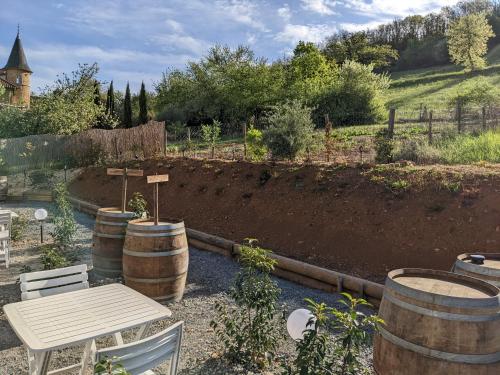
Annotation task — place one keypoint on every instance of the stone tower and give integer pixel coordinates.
(18, 73)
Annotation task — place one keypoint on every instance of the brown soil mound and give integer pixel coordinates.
(362, 221)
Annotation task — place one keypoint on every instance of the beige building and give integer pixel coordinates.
(15, 76)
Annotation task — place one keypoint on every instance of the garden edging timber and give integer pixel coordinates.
(286, 268)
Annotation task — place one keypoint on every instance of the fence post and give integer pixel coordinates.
(430, 127)
(165, 138)
(189, 134)
(484, 118)
(459, 116)
(392, 118)
(245, 140)
(328, 128)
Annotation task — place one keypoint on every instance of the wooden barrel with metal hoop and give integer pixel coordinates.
(4, 188)
(487, 270)
(109, 235)
(156, 258)
(438, 322)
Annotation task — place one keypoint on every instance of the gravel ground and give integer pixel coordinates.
(209, 278)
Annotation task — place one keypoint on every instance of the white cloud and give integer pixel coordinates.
(174, 26)
(353, 27)
(323, 7)
(180, 42)
(285, 12)
(292, 34)
(399, 8)
(241, 11)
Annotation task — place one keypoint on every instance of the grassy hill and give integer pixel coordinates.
(431, 86)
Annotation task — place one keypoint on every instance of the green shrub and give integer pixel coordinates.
(138, 205)
(64, 219)
(384, 147)
(417, 151)
(256, 150)
(41, 177)
(18, 228)
(251, 331)
(211, 135)
(355, 97)
(476, 91)
(320, 353)
(52, 258)
(108, 366)
(290, 130)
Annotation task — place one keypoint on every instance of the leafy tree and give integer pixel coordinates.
(290, 130)
(477, 91)
(211, 134)
(355, 97)
(143, 105)
(468, 40)
(127, 108)
(110, 100)
(356, 47)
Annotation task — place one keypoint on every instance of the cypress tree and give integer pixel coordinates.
(143, 105)
(127, 109)
(110, 101)
(97, 93)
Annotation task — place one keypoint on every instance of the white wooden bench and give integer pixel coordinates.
(139, 357)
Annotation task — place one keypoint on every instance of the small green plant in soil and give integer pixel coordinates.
(108, 366)
(64, 219)
(322, 353)
(18, 228)
(52, 257)
(138, 205)
(384, 147)
(256, 150)
(252, 329)
(400, 185)
(211, 134)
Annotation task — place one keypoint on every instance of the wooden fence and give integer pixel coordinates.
(86, 148)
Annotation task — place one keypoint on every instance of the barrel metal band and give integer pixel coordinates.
(155, 254)
(438, 299)
(97, 234)
(440, 314)
(475, 359)
(157, 234)
(155, 281)
(478, 270)
(112, 223)
(169, 296)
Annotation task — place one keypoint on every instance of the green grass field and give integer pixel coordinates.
(432, 86)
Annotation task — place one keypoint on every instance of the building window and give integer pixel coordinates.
(19, 80)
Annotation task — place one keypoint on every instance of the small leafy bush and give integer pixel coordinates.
(320, 353)
(256, 150)
(290, 130)
(18, 228)
(138, 205)
(252, 330)
(108, 366)
(41, 177)
(52, 258)
(384, 147)
(211, 135)
(64, 219)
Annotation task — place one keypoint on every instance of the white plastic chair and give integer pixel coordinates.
(5, 225)
(139, 357)
(47, 283)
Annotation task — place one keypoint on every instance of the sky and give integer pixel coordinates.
(138, 40)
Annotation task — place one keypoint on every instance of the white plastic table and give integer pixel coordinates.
(63, 320)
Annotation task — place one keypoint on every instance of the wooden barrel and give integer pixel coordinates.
(489, 271)
(109, 235)
(155, 258)
(438, 322)
(4, 188)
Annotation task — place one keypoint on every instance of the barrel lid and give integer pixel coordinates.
(149, 224)
(115, 211)
(490, 260)
(442, 287)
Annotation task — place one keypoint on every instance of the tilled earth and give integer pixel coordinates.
(209, 279)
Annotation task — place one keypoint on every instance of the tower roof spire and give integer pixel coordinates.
(17, 58)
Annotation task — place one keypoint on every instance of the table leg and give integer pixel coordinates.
(90, 348)
(41, 363)
(143, 331)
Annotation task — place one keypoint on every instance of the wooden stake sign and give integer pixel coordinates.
(156, 179)
(125, 173)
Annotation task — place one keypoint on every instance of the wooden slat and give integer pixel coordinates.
(157, 178)
(120, 172)
(53, 273)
